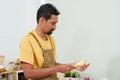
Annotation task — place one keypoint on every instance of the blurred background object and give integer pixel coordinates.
(2, 60)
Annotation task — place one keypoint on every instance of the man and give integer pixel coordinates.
(38, 51)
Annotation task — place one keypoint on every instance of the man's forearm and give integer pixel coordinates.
(40, 73)
(57, 63)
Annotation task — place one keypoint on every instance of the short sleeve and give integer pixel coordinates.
(26, 52)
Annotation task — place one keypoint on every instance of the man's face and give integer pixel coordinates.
(50, 24)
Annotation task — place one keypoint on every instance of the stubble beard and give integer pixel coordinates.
(50, 32)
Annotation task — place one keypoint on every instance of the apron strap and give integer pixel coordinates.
(36, 40)
(39, 42)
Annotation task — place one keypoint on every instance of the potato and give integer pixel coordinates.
(80, 63)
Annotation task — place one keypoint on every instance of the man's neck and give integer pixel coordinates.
(41, 34)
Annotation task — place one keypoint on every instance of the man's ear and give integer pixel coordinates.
(42, 20)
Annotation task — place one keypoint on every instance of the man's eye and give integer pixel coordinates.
(53, 23)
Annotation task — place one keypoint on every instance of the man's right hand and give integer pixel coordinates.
(64, 68)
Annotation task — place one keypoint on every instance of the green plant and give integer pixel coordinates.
(72, 74)
(68, 74)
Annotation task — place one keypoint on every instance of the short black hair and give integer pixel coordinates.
(46, 10)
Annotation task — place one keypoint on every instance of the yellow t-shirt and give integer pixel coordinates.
(30, 52)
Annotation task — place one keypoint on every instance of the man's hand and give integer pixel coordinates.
(81, 65)
(65, 68)
(82, 68)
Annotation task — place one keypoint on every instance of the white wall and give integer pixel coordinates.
(16, 19)
(87, 29)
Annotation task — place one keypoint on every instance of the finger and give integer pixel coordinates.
(79, 68)
(71, 66)
(87, 65)
(83, 67)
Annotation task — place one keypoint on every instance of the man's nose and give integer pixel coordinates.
(54, 27)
